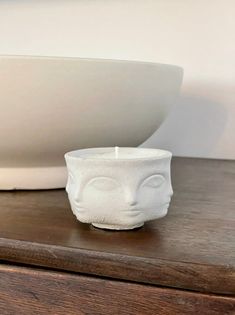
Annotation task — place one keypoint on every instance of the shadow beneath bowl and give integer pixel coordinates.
(193, 128)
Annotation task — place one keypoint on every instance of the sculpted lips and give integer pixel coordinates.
(132, 211)
(136, 210)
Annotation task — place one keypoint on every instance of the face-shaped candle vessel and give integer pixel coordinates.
(119, 191)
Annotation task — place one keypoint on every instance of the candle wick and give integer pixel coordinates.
(116, 152)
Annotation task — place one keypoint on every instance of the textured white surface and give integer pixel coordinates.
(198, 35)
(119, 193)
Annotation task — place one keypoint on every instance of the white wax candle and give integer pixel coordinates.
(118, 153)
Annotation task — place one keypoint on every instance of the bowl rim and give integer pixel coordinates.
(88, 59)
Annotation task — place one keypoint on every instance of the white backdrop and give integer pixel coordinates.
(197, 35)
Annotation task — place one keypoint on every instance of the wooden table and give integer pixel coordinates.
(181, 264)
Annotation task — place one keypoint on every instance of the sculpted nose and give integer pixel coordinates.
(77, 195)
(131, 198)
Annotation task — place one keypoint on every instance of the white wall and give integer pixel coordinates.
(198, 35)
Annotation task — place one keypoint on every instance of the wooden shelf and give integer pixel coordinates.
(192, 248)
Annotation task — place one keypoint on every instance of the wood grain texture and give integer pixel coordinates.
(191, 248)
(26, 291)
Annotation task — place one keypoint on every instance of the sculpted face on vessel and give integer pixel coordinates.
(119, 194)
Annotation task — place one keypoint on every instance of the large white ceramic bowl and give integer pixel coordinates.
(53, 105)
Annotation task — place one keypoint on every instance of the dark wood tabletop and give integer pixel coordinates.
(193, 247)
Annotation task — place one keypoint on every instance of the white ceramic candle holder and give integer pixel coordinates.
(119, 188)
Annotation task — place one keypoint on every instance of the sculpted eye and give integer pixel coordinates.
(104, 183)
(154, 181)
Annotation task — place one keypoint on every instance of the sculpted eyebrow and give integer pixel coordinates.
(155, 174)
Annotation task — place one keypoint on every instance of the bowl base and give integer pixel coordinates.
(32, 177)
(116, 227)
